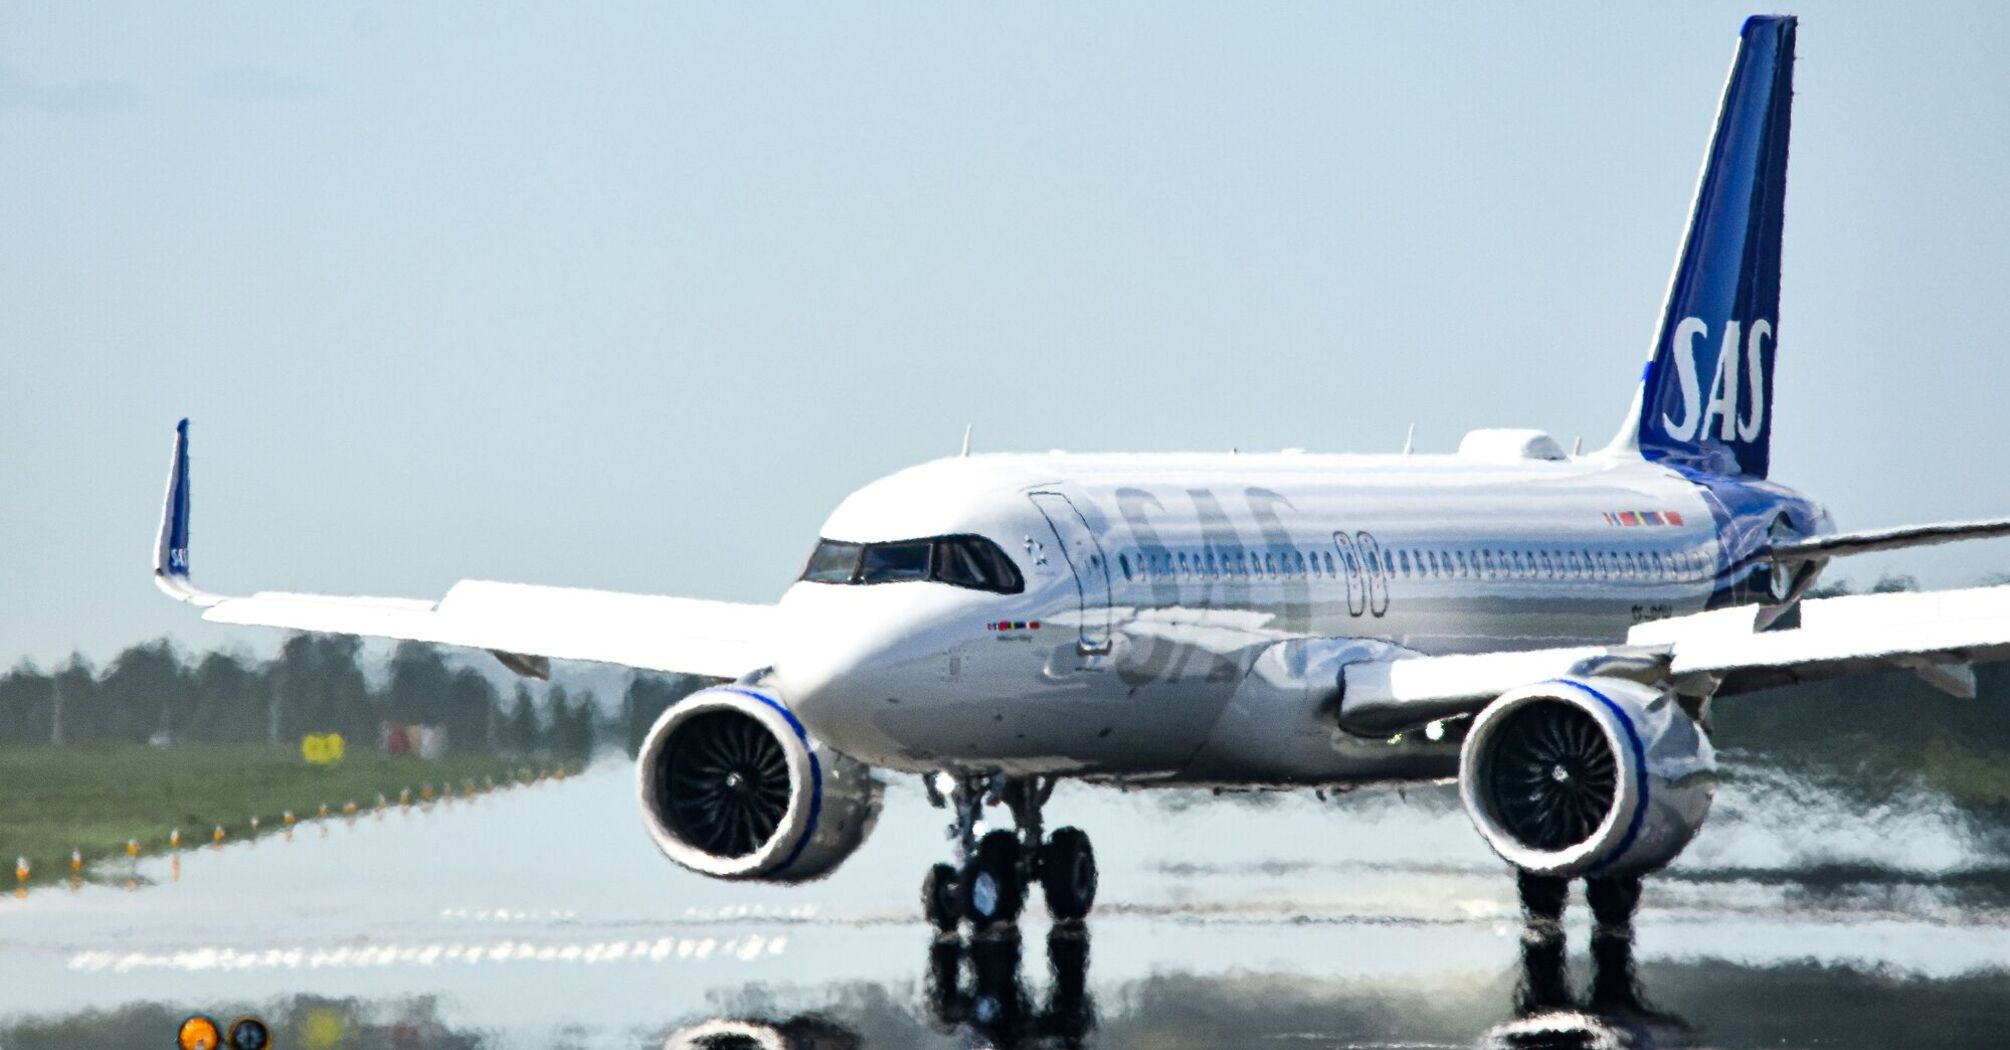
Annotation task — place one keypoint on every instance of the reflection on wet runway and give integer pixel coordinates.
(1281, 922)
(976, 994)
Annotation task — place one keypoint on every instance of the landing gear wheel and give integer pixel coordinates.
(938, 897)
(1543, 896)
(992, 889)
(1068, 874)
(1613, 899)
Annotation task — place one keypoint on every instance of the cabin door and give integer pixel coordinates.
(1091, 567)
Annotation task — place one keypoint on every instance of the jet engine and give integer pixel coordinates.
(1598, 776)
(733, 787)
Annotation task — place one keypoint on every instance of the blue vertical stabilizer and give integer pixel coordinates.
(1707, 395)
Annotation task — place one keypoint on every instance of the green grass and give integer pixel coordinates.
(54, 800)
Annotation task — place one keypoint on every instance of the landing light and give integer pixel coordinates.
(1435, 731)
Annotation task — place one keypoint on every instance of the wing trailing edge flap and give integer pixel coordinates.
(1937, 635)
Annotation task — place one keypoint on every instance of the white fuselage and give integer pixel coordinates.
(1154, 583)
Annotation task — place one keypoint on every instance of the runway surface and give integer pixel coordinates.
(543, 917)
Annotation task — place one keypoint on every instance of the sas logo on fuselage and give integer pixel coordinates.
(1735, 407)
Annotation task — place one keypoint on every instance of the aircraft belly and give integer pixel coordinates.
(1029, 703)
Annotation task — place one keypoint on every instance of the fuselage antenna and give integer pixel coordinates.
(966, 438)
(1410, 440)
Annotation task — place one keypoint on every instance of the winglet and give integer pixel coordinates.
(171, 545)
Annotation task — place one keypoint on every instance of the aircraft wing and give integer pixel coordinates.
(525, 626)
(1937, 635)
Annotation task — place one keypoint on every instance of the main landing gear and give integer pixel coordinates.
(1612, 1010)
(1613, 899)
(993, 874)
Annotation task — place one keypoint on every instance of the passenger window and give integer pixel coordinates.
(1330, 570)
(1124, 563)
(1403, 561)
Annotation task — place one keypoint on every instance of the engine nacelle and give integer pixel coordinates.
(733, 787)
(1594, 776)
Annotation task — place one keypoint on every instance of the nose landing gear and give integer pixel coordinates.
(989, 882)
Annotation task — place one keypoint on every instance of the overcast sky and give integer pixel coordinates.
(622, 297)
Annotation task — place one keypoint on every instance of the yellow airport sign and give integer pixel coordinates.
(321, 749)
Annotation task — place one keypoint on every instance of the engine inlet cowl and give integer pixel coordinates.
(732, 786)
(1599, 776)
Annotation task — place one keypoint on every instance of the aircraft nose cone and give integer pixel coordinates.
(860, 665)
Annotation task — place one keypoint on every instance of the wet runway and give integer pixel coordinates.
(543, 917)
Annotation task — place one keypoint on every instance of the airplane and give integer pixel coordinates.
(1548, 629)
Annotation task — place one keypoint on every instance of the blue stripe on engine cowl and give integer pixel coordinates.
(1640, 764)
(816, 773)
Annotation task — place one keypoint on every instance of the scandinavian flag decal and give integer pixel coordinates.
(1632, 518)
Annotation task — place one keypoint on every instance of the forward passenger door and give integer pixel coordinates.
(1078, 543)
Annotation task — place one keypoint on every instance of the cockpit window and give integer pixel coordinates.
(833, 562)
(963, 561)
(973, 561)
(895, 562)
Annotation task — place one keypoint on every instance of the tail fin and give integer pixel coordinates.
(1706, 397)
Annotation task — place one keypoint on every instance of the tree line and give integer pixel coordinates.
(153, 692)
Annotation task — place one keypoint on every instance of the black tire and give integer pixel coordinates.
(1068, 874)
(1613, 899)
(1542, 896)
(991, 889)
(938, 897)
